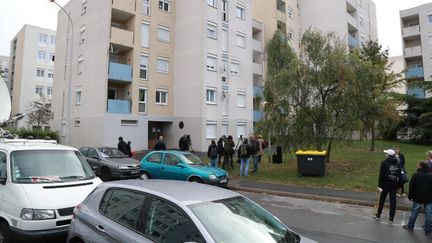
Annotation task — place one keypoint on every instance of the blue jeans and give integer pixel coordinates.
(244, 166)
(257, 159)
(428, 215)
(213, 162)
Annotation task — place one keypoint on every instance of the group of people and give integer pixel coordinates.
(392, 177)
(246, 149)
(125, 147)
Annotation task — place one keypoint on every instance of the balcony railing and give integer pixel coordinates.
(120, 72)
(119, 106)
(414, 72)
(416, 92)
(257, 45)
(411, 30)
(122, 37)
(258, 91)
(257, 68)
(353, 42)
(258, 116)
(413, 51)
(124, 5)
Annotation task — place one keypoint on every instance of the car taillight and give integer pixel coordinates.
(76, 210)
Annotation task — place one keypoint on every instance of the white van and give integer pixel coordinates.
(40, 184)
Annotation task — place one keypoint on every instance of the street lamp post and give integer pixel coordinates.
(69, 89)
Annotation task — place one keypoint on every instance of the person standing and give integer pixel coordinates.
(122, 146)
(420, 192)
(388, 182)
(212, 153)
(245, 153)
(229, 151)
(429, 160)
(160, 145)
(220, 144)
(259, 147)
(401, 159)
(129, 148)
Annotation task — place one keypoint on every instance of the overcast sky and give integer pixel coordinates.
(15, 13)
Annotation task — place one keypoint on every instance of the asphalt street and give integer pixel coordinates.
(335, 222)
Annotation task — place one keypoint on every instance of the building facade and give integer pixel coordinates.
(4, 67)
(31, 68)
(142, 69)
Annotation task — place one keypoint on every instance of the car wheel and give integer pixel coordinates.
(144, 175)
(196, 179)
(4, 233)
(106, 174)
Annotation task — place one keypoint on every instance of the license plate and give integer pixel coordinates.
(134, 172)
(223, 181)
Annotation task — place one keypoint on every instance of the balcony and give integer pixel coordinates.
(416, 72)
(258, 116)
(413, 51)
(257, 45)
(118, 106)
(257, 68)
(120, 72)
(122, 38)
(258, 91)
(416, 92)
(123, 9)
(353, 42)
(411, 31)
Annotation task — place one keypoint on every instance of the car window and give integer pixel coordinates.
(171, 159)
(2, 165)
(112, 153)
(123, 206)
(92, 153)
(155, 158)
(84, 151)
(192, 159)
(166, 223)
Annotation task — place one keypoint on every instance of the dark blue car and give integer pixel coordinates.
(180, 165)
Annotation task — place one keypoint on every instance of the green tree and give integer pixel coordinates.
(39, 113)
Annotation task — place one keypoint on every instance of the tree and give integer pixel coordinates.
(39, 113)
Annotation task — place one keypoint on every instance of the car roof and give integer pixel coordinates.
(179, 192)
(32, 145)
(171, 151)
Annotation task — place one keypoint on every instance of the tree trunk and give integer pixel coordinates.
(372, 144)
(329, 146)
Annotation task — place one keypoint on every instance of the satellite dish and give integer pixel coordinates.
(5, 102)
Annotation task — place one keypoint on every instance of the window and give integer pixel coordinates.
(41, 56)
(211, 96)
(211, 129)
(163, 34)
(235, 67)
(212, 30)
(49, 91)
(211, 63)
(3, 168)
(146, 7)
(225, 10)
(155, 158)
(161, 97)
(429, 18)
(51, 57)
(224, 40)
(171, 160)
(164, 5)
(43, 39)
(212, 3)
(78, 98)
(130, 123)
(143, 67)
(39, 90)
(52, 40)
(80, 65)
(224, 129)
(241, 99)
(241, 39)
(240, 12)
(241, 129)
(123, 206)
(361, 19)
(280, 5)
(50, 74)
(290, 13)
(83, 7)
(142, 100)
(224, 70)
(82, 34)
(145, 34)
(162, 65)
(40, 72)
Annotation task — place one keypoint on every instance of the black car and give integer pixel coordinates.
(110, 163)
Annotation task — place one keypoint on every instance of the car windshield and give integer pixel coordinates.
(111, 153)
(238, 219)
(192, 159)
(49, 166)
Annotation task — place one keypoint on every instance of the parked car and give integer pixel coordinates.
(181, 165)
(173, 211)
(110, 163)
(40, 184)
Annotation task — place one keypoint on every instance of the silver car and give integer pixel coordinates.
(173, 211)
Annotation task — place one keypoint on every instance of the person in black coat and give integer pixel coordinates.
(245, 152)
(401, 158)
(221, 144)
(420, 192)
(160, 145)
(213, 153)
(122, 146)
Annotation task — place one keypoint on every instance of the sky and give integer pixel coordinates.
(14, 14)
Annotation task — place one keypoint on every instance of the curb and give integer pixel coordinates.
(314, 197)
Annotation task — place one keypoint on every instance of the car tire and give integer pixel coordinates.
(4, 233)
(105, 174)
(144, 175)
(196, 179)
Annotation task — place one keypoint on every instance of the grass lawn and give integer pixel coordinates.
(352, 167)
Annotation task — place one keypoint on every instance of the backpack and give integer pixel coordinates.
(213, 152)
(243, 151)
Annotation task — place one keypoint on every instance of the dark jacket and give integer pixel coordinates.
(248, 151)
(420, 187)
(390, 173)
(229, 146)
(160, 145)
(220, 144)
(210, 149)
(402, 161)
(123, 147)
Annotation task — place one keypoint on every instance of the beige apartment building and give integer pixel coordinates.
(31, 68)
(142, 68)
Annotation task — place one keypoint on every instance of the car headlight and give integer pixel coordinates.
(37, 214)
(123, 167)
(212, 177)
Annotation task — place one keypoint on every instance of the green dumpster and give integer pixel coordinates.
(311, 162)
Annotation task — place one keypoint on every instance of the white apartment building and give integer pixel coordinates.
(416, 27)
(4, 67)
(145, 68)
(31, 68)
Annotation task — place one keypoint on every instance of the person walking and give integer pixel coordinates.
(229, 151)
(160, 145)
(129, 148)
(245, 153)
(401, 159)
(420, 192)
(213, 153)
(220, 144)
(388, 182)
(122, 146)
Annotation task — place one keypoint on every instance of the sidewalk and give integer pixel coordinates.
(320, 194)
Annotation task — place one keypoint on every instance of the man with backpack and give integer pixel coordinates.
(220, 144)
(229, 151)
(245, 153)
(388, 183)
(212, 153)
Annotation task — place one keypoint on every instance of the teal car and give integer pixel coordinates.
(180, 165)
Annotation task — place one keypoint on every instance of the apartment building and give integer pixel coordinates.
(416, 27)
(31, 68)
(145, 68)
(4, 67)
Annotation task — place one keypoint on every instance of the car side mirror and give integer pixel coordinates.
(2, 180)
(181, 165)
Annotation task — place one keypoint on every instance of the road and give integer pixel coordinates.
(334, 222)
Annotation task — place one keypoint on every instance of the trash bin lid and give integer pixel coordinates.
(311, 152)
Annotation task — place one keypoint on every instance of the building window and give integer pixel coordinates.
(429, 18)
(224, 70)
(212, 30)
(164, 5)
(83, 7)
(161, 97)
(163, 34)
(235, 67)
(162, 65)
(78, 98)
(211, 62)
(43, 39)
(52, 40)
(211, 96)
(143, 67)
(290, 34)
(82, 34)
(50, 74)
(241, 39)
(241, 99)
(40, 72)
(212, 3)
(361, 20)
(280, 5)
(241, 129)
(240, 12)
(146, 7)
(51, 57)
(49, 91)
(224, 130)
(290, 13)
(41, 56)
(224, 40)
(39, 90)
(225, 10)
(145, 34)
(211, 129)
(80, 65)
(142, 100)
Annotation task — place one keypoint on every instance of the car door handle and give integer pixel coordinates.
(100, 228)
